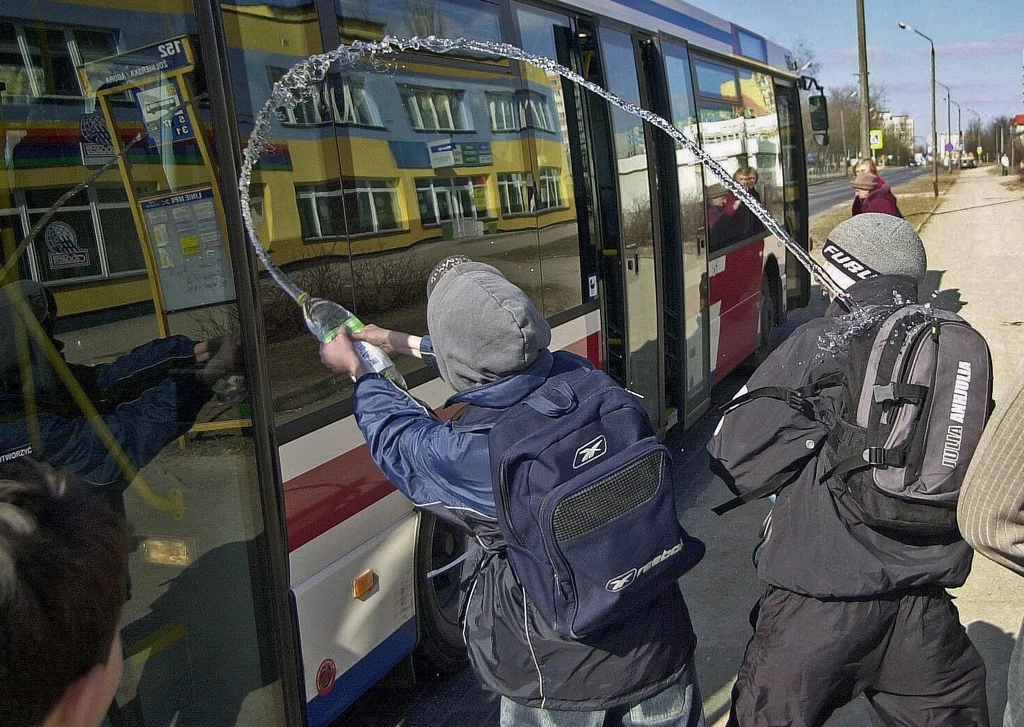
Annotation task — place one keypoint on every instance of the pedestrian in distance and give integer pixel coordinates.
(63, 564)
(490, 344)
(991, 514)
(851, 607)
(871, 194)
(1004, 162)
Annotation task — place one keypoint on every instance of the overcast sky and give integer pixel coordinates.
(978, 44)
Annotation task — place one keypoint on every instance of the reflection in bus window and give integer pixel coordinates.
(98, 376)
(372, 19)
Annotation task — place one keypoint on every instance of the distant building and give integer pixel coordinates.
(898, 127)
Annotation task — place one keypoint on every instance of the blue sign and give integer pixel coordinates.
(157, 104)
(949, 147)
(136, 67)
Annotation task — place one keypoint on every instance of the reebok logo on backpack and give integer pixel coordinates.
(586, 504)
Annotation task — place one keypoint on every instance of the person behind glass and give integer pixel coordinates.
(746, 224)
(490, 344)
(63, 564)
(723, 221)
(146, 398)
(871, 194)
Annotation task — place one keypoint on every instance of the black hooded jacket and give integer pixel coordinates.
(813, 544)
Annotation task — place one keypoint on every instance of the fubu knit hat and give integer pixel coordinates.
(871, 244)
(482, 327)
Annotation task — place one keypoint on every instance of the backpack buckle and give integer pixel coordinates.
(885, 393)
(874, 456)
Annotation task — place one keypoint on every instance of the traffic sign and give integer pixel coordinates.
(949, 146)
(875, 139)
(978, 151)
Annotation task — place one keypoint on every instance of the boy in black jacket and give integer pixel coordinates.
(847, 610)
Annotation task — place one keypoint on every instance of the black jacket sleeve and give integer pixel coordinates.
(765, 436)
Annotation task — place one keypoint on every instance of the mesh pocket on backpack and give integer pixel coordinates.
(616, 494)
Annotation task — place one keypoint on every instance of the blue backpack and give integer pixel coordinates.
(585, 502)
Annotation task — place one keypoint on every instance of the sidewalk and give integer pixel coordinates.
(975, 243)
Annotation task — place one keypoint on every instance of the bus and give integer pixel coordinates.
(275, 574)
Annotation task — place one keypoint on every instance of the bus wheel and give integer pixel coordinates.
(441, 648)
(769, 319)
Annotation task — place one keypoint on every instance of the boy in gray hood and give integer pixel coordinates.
(490, 344)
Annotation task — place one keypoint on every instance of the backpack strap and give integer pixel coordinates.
(794, 398)
(914, 393)
(869, 457)
(773, 485)
(555, 401)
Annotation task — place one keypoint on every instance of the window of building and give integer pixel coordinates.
(371, 205)
(515, 190)
(536, 111)
(366, 205)
(478, 19)
(40, 60)
(334, 100)
(443, 200)
(501, 107)
(436, 109)
(550, 188)
(93, 236)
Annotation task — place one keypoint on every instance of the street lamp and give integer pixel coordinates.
(935, 131)
(959, 131)
(949, 125)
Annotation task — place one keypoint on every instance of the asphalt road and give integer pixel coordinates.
(822, 196)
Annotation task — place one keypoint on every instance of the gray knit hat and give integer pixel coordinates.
(872, 244)
(482, 327)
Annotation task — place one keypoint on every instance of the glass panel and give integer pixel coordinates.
(553, 112)
(637, 226)
(716, 81)
(764, 151)
(794, 179)
(695, 266)
(477, 19)
(195, 622)
(752, 46)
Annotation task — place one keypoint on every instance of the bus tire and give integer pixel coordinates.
(441, 649)
(770, 304)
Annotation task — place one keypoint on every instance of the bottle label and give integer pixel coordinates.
(372, 356)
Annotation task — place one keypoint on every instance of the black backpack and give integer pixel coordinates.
(916, 394)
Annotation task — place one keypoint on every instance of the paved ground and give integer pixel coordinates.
(975, 246)
(824, 195)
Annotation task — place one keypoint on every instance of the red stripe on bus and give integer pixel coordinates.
(331, 493)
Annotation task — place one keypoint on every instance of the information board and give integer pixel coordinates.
(189, 250)
(155, 105)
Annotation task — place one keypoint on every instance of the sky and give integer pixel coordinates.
(978, 47)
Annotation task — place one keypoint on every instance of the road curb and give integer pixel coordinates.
(935, 206)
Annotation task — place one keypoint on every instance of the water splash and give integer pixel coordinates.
(297, 83)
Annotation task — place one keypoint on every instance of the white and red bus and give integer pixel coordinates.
(290, 575)
(623, 247)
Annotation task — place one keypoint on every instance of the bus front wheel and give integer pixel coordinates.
(441, 648)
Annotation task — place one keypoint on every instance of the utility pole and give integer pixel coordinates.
(949, 128)
(862, 42)
(935, 127)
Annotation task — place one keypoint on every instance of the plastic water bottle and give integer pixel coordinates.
(324, 318)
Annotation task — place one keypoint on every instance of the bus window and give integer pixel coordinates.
(132, 293)
(764, 150)
(559, 150)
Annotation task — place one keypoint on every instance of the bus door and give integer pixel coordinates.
(667, 91)
(683, 180)
(794, 183)
(629, 272)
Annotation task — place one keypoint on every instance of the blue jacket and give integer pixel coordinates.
(445, 467)
(146, 398)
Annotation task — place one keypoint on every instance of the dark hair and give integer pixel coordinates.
(63, 564)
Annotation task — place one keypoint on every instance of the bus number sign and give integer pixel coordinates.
(138, 67)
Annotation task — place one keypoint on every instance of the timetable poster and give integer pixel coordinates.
(189, 250)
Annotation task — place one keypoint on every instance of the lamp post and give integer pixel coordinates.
(949, 126)
(935, 131)
(959, 132)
